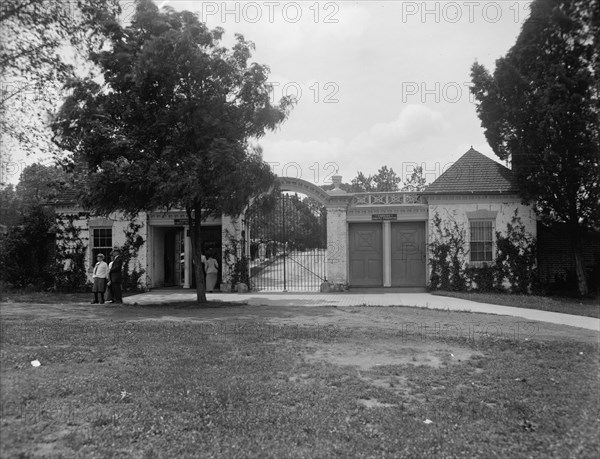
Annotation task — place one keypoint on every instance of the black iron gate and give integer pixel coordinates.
(288, 244)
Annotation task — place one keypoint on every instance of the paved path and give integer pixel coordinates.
(421, 300)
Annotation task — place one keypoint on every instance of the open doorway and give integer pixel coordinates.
(174, 257)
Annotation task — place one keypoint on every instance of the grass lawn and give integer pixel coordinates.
(234, 388)
(589, 307)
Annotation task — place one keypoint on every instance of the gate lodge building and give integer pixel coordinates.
(374, 239)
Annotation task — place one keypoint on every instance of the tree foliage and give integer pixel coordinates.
(385, 180)
(34, 34)
(27, 255)
(361, 183)
(170, 124)
(41, 41)
(37, 185)
(416, 181)
(9, 206)
(541, 110)
(298, 223)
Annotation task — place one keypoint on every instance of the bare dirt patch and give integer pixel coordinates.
(366, 356)
(374, 361)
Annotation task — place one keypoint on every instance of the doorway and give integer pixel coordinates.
(174, 257)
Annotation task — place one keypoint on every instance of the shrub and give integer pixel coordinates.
(238, 265)
(481, 278)
(516, 257)
(447, 256)
(130, 251)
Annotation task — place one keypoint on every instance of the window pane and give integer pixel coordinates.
(102, 238)
(481, 240)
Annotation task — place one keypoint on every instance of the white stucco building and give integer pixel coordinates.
(373, 239)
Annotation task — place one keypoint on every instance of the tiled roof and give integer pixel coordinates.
(474, 173)
(65, 197)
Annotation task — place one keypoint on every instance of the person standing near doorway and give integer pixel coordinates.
(212, 269)
(116, 276)
(109, 296)
(99, 277)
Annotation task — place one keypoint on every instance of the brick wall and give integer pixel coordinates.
(555, 253)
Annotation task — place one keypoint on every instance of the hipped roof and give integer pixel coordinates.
(474, 173)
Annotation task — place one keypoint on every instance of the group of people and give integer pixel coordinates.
(108, 278)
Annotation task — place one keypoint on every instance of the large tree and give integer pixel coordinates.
(170, 124)
(540, 110)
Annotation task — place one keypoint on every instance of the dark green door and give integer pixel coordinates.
(366, 255)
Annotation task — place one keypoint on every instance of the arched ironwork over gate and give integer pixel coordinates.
(287, 234)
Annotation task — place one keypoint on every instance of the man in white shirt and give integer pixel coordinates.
(100, 277)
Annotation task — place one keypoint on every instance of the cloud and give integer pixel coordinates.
(313, 161)
(316, 161)
(287, 26)
(415, 123)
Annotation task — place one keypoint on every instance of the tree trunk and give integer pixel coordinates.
(579, 265)
(195, 222)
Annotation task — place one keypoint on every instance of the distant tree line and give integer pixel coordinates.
(386, 179)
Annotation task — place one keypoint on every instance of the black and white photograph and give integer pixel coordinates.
(299, 229)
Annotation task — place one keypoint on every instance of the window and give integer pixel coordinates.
(101, 243)
(482, 243)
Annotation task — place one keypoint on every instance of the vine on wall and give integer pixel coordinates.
(516, 257)
(71, 274)
(513, 270)
(130, 251)
(236, 261)
(447, 255)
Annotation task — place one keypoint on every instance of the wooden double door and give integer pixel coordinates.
(366, 254)
(404, 264)
(408, 252)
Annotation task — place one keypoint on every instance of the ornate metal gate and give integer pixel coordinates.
(288, 244)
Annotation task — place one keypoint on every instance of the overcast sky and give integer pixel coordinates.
(378, 82)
